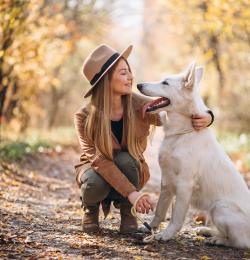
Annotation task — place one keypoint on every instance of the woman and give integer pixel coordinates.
(113, 136)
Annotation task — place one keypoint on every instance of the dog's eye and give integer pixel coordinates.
(165, 83)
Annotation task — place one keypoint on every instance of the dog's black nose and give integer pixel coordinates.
(139, 86)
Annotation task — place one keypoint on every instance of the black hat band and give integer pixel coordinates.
(104, 67)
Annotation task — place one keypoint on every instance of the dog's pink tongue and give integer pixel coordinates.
(144, 108)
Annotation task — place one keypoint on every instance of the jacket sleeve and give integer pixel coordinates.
(103, 166)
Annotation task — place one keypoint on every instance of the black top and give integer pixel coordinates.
(117, 127)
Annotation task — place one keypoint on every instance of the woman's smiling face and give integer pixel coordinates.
(121, 79)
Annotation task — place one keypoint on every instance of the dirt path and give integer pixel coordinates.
(40, 218)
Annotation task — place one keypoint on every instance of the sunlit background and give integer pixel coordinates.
(44, 43)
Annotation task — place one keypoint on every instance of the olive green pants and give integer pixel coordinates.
(95, 189)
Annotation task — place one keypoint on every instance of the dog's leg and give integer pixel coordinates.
(162, 206)
(219, 241)
(183, 196)
(232, 223)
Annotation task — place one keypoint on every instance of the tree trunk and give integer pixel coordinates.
(214, 42)
(11, 104)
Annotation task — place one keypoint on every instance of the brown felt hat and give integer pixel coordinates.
(99, 62)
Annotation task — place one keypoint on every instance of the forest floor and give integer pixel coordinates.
(40, 218)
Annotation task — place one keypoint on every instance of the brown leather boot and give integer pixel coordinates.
(90, 223)
(128, 221)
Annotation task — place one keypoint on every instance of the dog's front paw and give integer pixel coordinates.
(164, 235)
(155, 223)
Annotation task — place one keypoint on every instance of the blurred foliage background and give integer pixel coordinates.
(43, 44)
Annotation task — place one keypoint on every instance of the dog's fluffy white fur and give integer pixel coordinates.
(195, 168)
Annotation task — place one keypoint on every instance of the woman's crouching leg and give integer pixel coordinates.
(94, 188)
(129, 167)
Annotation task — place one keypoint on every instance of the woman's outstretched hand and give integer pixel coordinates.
(144, 204)
(201, 121)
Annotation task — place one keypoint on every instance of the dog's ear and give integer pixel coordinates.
(189, 76)
(198, 75)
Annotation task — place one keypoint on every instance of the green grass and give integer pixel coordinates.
(238, 146)
(234, 142)
(14, 146)
(13, 151)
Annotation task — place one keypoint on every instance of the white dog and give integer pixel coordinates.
(195, 168)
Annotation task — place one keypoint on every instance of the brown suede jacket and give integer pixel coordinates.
(105, 167)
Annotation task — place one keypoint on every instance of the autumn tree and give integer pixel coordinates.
(215, 26)
(12, 17)
(214, 32)
(49, 36)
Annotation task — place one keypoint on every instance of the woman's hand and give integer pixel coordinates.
(201, 121)
(144, 204)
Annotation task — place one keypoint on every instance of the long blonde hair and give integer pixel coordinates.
(98, 127)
